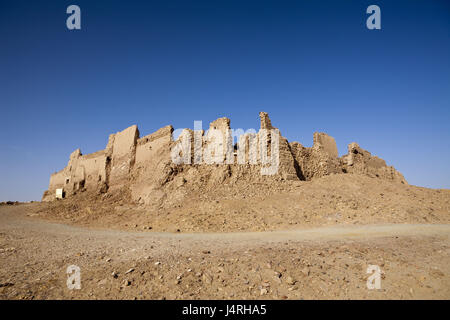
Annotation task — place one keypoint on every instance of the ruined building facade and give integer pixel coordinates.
(145, 165)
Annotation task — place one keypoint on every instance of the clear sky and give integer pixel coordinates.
(312, 65)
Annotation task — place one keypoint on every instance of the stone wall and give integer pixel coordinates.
(360, 161)
(148, 147)
(123, 155)
(145, 165)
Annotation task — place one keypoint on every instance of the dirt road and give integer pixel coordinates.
(324, 263)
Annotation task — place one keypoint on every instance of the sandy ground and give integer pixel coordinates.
(315, 263)
(327, 201)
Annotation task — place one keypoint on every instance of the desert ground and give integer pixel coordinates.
(310, 240)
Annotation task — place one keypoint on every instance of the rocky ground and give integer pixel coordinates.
(289, 240)
(313, 263)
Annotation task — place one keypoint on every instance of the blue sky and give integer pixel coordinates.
(312, 65)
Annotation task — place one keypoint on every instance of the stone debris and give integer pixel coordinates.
(290, 281)
(129, 270)
(126, 283)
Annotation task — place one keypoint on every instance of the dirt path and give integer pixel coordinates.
(15, 217)
(327, 262)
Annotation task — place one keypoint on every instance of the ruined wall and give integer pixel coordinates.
(146, 167)
(57, 180)
(149, 146)
(232, 154)
(123, 156)
(96, 171)
(360, 161)
(325, 143)
(152, 166)
(83, 172)
(319, 160)
(265, 121)
(217, 144)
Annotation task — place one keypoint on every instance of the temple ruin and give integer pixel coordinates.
(144, 165)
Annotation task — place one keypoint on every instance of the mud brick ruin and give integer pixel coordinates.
(145, 167)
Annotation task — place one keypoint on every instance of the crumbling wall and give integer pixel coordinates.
(217, 143)
(57, 180)
(319, 160)
(145, 165)
(64, 178)
(322, 159)
(123, 156)
(83, 172)
(358, 160)
(265, 121)
(94, 170)
(325, 143)
(152, 166)
(149, 146)
(288, 166)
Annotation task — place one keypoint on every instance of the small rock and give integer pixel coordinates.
(290, 280)
(6, 284)
(263, 292)
(305, 271)
(102, 282)
(129, 270)
(207, 279)
(157, 263)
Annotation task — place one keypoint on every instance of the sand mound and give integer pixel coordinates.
(331, 200)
